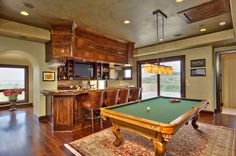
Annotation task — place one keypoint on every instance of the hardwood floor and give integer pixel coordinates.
(21, 135)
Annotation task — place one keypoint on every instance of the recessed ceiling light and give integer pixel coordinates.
(203, 29)
(178, 1)
(24, 13)
(126, 22)
(178, 35)
(29, 5)
(222, 23)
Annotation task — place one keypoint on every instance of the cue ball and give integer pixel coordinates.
(148, 108)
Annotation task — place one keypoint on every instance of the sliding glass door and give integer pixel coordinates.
(163, 85)
(170, 85)
(149, 84)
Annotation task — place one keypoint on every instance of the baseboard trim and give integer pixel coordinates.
(20, 105)
(204, 112)
(43, 118)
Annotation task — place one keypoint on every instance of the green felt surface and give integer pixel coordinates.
(161, 110)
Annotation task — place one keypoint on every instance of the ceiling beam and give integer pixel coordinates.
(203, 40)
(23, 31)
(233, 14)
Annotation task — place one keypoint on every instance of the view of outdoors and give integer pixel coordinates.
(149, 84)
(12, 78)
(169, 84)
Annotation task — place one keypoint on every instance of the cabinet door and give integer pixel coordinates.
(63, 113)
(62, 51)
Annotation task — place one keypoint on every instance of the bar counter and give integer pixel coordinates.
(63, 108)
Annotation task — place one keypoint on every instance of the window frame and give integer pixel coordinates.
(26, 89)
(123, 71)
(180, 58)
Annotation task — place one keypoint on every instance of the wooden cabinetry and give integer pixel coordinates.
(66, 72)
(101, 48)
(62, 44)
(103, 71)
(70, 42)
(100, 71)
(64, 109)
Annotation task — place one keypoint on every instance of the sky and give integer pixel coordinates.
(11, 74)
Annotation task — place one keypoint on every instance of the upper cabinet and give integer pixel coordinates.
(70, 42)
(62, 44)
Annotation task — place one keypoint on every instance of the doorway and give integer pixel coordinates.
(163, 85)
(226, 84)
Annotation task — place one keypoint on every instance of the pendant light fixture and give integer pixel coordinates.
(157, 68)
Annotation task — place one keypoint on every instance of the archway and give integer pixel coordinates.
(36, 74)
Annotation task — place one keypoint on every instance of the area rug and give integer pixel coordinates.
(208, 140)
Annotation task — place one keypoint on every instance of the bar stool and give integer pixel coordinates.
(91, 107)
(135, 94)
(124, 95)
(112, 96)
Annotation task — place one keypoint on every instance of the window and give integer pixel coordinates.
(127, 73)
(13, 77)
(163, 85)
(149, 84)
(170, 85)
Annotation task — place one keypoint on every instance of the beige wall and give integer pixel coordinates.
(120, 82)
(196, 87)
(35, 53)
(13, 61)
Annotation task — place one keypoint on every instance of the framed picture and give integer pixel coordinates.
(198, 63)
(198, 72)
(48, 76)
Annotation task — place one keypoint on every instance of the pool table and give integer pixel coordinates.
(156, 119)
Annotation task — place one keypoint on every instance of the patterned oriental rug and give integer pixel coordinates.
(208, 140)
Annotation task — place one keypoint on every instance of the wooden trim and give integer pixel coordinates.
(218, 78)
(159, 60)
(183, 77)
(43, 118)
(205, 112)
(208, 9)
(26, 83)
(26, 89)
(23, 105)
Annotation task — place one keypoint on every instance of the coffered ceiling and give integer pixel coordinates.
(106, 17)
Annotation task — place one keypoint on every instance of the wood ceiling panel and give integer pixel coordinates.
(206, 10)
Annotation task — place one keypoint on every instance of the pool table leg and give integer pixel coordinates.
(116, 132)
(194, 121)
(160, 148)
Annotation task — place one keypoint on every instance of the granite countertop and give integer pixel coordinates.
(63, 92)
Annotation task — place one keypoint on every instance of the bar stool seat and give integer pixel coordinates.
(91, 107)
(135, 94)
(111, 97)
(124, 95)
